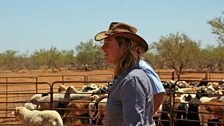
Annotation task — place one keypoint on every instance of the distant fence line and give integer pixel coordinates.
(191, 75)
(84, 78)
(164, 76)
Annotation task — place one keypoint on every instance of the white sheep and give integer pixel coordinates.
(45, 101)
(85, 95)
(34, 98)
(32, 103)
(89, 88)
(38, 118)
(30, 106)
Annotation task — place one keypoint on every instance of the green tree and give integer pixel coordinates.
(12, 60)
(99, 58)
(206, 59)
(217, 25)
(39, 58)
(88, 55)
(1, 61)
(219, 56)
(54, 59)
(154, 59)
(68, 58)
(211, 58)
(178, 51)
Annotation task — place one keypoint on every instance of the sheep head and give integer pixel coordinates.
(62, 88)
(17, 113)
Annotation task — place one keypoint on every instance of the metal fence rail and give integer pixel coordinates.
(14, 94)
(164, 76)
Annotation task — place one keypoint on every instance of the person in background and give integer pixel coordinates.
(130, 99)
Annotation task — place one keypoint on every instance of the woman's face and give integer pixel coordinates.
(111, 50)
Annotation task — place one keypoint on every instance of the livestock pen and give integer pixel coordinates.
(183, 103)
(16, 91)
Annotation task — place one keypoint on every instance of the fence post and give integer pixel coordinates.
(172, 76)
(6, 93)
(62, 79)
(206, 76)
(36, 84)
(51, 85)
(85, 79)
(172, 103)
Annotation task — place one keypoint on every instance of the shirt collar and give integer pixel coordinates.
(125, 72)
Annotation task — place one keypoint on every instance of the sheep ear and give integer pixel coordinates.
(92, 98)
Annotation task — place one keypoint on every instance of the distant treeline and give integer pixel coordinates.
(177, 51)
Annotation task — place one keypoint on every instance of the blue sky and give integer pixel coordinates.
(28, 25)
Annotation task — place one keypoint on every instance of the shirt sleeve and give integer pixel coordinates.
(157, 86)
(133, 98)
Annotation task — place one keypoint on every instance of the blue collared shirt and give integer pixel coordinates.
(130, 100)
(157, 86)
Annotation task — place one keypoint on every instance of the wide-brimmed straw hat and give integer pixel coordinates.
(122, 30)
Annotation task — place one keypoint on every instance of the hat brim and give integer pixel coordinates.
(134, 37)
(100, 36)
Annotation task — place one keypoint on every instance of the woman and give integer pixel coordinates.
(130, 100)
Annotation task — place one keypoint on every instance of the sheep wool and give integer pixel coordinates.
(38, 118)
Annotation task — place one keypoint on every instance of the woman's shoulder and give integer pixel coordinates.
(139, 73)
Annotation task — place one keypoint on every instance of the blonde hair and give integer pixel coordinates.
(131, 53)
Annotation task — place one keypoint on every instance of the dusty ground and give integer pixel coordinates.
(48, 76)
(45, 73)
